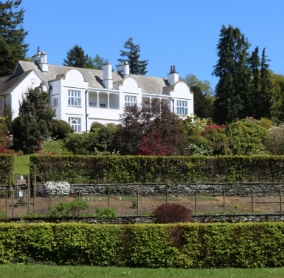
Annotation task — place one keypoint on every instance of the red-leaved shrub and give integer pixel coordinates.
(172, 212)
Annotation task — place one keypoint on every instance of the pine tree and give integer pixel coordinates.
(34, 122)
(95, 63)
(12, 36)
(76, 57)
(232, 89)
(133, 54)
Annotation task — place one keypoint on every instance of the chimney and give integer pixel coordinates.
(120, 68)
(173, 76)
(107, 75)
(41, 60)
(125, 69)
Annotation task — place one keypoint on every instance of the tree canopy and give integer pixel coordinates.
(12, 36)
(76, 57)
(95, 63)
(132, 54)
(34, 122)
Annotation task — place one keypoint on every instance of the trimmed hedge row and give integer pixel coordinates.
(131, 169)
(6, 168)
(180, 245)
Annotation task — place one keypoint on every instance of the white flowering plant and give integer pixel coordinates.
(56, 188)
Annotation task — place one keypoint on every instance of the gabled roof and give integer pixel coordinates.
(148, 84)
(10, 82)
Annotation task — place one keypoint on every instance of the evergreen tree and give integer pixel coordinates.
(12, 36)
(133, 54)
(34, 122)
(76, 57)
(232, 89)
(265, 89)
(254, 64)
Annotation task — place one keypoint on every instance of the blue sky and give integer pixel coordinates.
(183, 33)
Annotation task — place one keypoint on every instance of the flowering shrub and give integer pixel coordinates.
(54, 188)
(6, 139)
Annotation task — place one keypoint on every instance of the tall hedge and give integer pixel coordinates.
(6, 168)
(243, 245)
(130, 169)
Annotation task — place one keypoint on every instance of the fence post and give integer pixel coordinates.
(195, 199)
(108, 197)
(167, 194)
(137, 207)
(224, 199)
(280, 191)
(252, 208)
(7, 203)
(28, 197)
(12, 202)
(34, 193)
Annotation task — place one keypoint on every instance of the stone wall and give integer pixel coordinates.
(214, 218)
(231, 189)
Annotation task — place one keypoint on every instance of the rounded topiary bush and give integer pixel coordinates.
(60, 129)
(171, 213)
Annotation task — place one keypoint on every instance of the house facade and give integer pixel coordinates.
(83, 97)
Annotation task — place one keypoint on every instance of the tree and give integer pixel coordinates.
(139, 124)
(12, 36)
(132, 57)
(95, 63)
(277, 91)
(232, 98)
(203, 99)
(76, 57)
(34, 122)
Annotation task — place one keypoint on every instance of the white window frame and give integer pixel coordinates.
(130, 100)
(74, 98)
(75, 123)
(182, 107)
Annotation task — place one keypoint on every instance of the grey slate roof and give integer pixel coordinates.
(10, 82)
(148, 84)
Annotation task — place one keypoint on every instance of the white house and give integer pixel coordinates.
(82, 97)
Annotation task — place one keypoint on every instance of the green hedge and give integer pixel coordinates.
(130, 169)
(6, 168)
(243, 245)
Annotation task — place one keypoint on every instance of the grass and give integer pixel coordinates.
(40, 271)
(21, 164)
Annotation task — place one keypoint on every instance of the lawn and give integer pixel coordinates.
(38, 271)
(21, 164)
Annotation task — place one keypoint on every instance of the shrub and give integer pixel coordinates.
(60, 129)
(107, 213)
(53, 188)
(172, 213)
(65, 209)
(274, 141)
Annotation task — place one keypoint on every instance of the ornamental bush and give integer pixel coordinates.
(172, 213)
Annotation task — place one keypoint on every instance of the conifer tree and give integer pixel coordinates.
(34, 122)
(12, 36)
(234, 76)
(132, 57)
(76, 57)
(265, 88)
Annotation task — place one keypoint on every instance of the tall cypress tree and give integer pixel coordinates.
(12, 36)
(133, 54)
(234, 76)
(76, 57)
